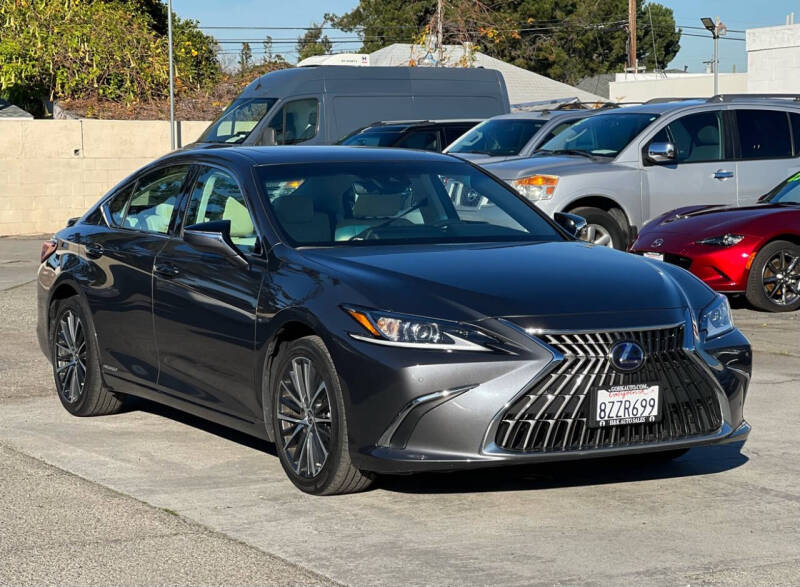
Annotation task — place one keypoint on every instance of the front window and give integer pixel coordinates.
(391, 203)
(697, 137)
(604, 135)
(498, 137)
(296, 122)
(238, 120)
(787, 192)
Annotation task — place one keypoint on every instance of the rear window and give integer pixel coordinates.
(764, 134)
(498, 137)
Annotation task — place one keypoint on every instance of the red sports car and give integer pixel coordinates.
(753, 250)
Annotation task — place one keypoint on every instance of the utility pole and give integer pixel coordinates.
(439, 32)
(717, 30)
(632, 61)
(171, 80)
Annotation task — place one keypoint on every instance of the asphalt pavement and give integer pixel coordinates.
(155, 496)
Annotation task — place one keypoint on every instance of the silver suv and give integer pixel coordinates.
(621, 168)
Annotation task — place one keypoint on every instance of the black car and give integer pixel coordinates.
(427, 135)
(381, 311)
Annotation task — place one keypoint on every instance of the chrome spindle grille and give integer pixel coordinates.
(554, 414)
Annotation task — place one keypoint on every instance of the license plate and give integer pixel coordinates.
(626, 404)
(656, 256)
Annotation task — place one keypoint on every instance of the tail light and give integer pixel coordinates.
(48, 248)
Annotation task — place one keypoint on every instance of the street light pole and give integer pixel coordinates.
(716, 64)
(171, 80)
(717, 29)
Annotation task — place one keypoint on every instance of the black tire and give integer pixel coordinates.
(782, 294)
(89, 397)
(324, 420)
(595, 217)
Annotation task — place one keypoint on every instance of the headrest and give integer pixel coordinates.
(708, 135)
(164, 210)
(241, 223)
(371, 205)
(294, 209)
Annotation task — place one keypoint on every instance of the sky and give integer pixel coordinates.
(738, 15)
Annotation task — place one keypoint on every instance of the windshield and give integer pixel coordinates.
(237, 120)
(498, 136)
(604, 135)
(397, 203)
(787, 192)
(373, 137)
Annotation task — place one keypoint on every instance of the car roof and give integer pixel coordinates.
(311, 154)
(415, 123)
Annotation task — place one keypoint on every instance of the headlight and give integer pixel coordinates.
(416, 332)
(726, 240)
(716, 319)
(536, 187)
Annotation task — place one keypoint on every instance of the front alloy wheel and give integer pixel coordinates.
(774, 280)
(306, 405)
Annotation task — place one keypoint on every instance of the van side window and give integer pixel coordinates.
(296, 122)
(763, 134)
(697, 137)
(154, 199)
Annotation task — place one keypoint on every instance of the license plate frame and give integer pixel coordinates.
(635, 392)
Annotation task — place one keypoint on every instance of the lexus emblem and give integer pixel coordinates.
(627, 356)
(657, 243)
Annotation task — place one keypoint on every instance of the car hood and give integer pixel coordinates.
(712, 220)
(471, 282)
(558, 165)
(482, 159)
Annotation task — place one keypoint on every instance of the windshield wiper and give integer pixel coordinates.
(571, 152)
(391, 219)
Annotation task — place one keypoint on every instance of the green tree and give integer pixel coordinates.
(110, 50)
(313, 42)
(245, 56)
(562, 39)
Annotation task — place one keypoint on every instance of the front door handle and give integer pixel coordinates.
(723, 174)
(166, 270)
(94, 250)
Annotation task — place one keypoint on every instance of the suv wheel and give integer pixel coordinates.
(602, 228)
(76, 363)
(309, 420)
(774, 281)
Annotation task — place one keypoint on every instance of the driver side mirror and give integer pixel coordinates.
(572, 223)
(661, 153)
(268, 136)
(215, 237)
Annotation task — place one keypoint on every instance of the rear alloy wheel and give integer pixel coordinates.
(309, 420)
(602, 228)
(774, 280)
(76, 367)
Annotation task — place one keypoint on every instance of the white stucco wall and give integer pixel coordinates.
(682, 85)
(773, 59)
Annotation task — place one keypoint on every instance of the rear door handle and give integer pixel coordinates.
(94, 250)
(723, 174)
(166, 270)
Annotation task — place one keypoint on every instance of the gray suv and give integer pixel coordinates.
(621, 168)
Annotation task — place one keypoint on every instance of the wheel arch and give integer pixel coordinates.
(605, 203)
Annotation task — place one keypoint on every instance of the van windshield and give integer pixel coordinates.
(237, 121)
(604, 135)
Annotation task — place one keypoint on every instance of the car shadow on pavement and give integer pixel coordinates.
(705, 460)
(133, 404)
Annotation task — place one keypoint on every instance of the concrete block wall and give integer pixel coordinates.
(696, 85)
(773, 59)
(52, 170)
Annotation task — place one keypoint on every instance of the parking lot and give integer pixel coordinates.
(153, 495)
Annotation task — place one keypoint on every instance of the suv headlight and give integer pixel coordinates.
(536, 187)
(726, 240)
(716, 319)
(416, 332)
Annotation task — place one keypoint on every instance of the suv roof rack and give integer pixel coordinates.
(560, 104)
(735, 97)
(665, 99)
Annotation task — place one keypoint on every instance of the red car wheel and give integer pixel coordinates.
(774, 281)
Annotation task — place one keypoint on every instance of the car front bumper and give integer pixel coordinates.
(443, 413)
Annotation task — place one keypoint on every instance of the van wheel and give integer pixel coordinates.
(76, 363)
(602, 228)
